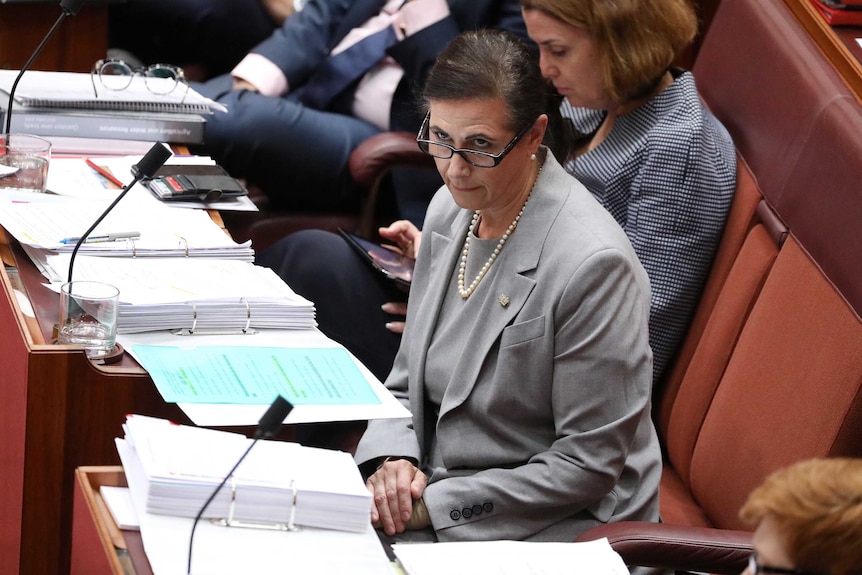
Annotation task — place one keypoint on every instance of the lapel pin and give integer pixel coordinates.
(504, 300)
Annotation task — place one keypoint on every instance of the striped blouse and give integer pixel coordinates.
(667, 173)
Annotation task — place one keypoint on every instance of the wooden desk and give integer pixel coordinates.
(76, 45)
(99, 547)
(61, 410)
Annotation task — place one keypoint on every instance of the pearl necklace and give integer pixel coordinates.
(462, 267)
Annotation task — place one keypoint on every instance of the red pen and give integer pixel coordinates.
(104, 173)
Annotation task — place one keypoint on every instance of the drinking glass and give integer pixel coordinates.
(24, 162)
(88, 316)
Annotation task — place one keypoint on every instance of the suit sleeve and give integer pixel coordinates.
(417, 52)
(305, 39)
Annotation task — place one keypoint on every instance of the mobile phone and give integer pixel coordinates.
(394, 265)
(206, 183)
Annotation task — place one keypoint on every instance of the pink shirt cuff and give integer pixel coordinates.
(263, 74)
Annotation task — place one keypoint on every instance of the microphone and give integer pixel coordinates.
(266, 427)
(145, 168)
(70, 8)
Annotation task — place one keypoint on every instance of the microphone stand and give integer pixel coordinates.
(146, 168)
(70, 8)
(266, 427)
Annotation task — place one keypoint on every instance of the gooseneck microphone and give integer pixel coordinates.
(70, 8)
(145, 168)
(266, 427)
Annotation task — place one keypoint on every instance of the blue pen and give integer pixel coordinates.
(103, 238)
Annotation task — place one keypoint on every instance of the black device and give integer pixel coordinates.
(145, 168)
(266, 427)
(206, 183)
(70, 8)
(394, 265)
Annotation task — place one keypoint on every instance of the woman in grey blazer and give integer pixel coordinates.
(525, 362)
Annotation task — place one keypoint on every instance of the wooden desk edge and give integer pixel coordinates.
(90, 479)
(845, 62)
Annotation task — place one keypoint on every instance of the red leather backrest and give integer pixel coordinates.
(767, 81)
(791, 387)
(776, 374)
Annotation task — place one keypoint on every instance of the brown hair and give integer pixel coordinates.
(494, 64)
(817, 505)
(637, 39)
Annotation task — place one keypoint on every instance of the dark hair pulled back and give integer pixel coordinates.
(495, 64)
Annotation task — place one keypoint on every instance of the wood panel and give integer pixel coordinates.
(837, 44)
(76, 45)
(61, 410)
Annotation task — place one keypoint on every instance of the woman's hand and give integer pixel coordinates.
(407, 237)
(404, 235)
(395, 486)
(398, 308)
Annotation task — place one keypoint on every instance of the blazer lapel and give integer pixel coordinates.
(508, 291)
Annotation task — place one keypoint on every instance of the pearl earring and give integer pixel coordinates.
(533, 157)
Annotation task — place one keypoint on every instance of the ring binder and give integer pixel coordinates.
(229, 521)
(247, 330)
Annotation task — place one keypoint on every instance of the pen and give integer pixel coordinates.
(104, 173)
(104, 238)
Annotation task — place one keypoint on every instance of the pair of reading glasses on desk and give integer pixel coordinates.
(117, 75)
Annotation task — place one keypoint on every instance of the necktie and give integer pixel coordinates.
(338, 72)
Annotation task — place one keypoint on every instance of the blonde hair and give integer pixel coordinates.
(817, 505)
(637, 39)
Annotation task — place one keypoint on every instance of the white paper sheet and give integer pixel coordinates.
(509, 558)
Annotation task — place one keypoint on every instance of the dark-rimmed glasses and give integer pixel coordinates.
(117, 75)
(476, 158)
(755, 568)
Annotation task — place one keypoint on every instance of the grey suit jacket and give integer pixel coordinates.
(547, 431)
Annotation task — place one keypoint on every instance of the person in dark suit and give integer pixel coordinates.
(290, 136)
(206, 37)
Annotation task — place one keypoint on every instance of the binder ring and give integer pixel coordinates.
(184, 244)
(230, 521)
(247, 315)
(194, 319)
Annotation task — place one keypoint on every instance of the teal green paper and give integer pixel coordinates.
(255, 375)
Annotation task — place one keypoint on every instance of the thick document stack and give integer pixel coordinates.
(74, 104)
(133, 229)
(197, 295)
(279, 484)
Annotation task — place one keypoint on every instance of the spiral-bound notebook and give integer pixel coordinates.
(64, 90)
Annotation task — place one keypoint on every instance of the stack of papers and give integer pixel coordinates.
(158, 230)
(197, 294)
(278, 482)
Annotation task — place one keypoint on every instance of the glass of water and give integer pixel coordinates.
(24, 162)
(88, 316)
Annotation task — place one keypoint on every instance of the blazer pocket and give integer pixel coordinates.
(523, 332)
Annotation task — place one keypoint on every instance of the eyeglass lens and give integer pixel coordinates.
(159, 78)
(443, 151)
